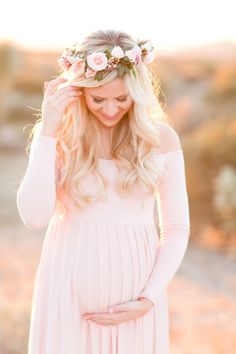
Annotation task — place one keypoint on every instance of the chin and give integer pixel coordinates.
(110, 122)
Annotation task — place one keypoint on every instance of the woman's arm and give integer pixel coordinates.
(173, 216)
(36, 196)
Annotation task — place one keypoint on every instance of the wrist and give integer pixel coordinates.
(145, 300)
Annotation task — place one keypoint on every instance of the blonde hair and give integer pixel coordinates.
(133, 139)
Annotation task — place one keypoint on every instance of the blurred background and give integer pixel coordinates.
(195, 45)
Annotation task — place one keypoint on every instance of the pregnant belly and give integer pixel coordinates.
(98, 265)
(113, 263)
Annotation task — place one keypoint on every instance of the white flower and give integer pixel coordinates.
(97, 61)
(72, 59)
(117, 52)
(149, 57)
(136, 49)
(134, 53)
(131, 53)
(148, 46)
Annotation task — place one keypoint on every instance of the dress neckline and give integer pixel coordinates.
(173, 152)
(108, 160)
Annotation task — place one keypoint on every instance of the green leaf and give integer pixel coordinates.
(134, 73)
(98, 76)
(126, 58)
(121, 70)
(126, 69)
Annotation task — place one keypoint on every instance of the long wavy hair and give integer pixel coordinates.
(133, 140)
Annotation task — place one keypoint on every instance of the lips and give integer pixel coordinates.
(110, 117)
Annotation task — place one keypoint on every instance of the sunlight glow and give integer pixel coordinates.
(172, 26)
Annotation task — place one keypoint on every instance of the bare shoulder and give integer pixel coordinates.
(169, 138)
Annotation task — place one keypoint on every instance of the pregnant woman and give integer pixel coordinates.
(101, 157)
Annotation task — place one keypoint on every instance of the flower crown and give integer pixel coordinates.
(77, 63)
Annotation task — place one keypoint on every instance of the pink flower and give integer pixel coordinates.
(64, 63)
(71, 59)
(97, 61)
(78, 67)
(67, 52)
(90, 73)
(134, 54)
(66, 58)
(112, 64)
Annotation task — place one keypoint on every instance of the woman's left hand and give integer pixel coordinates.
(121, 313)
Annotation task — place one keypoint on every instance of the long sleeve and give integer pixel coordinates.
(36, 195)
(174, 225)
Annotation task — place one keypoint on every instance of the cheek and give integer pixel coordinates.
(91, 105)
(126, 106)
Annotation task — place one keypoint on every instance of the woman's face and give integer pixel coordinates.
(108, 102)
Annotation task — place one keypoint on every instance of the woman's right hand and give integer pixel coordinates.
(54, 103)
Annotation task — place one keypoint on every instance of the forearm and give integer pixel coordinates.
(169, 257)
(36, 196)
(174, 226)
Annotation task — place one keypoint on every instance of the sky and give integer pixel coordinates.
(170, 25)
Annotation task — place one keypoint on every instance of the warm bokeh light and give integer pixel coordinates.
(195, 43)
(171, 25)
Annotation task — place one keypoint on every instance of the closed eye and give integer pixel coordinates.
(96, 100)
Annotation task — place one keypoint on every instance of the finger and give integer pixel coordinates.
(52, 85)
(56, 80)
(63, 101)
(108, 317)
(66, 89)
(68, 101)
(102, 320)
(107, 324)
(96, 315)
(104, 323)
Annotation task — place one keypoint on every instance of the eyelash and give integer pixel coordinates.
(99, 101)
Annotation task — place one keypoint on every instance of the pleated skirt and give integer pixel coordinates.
(86, 267)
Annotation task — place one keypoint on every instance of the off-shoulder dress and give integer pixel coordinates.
(103, 254)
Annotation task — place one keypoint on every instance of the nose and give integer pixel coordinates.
(110, 109)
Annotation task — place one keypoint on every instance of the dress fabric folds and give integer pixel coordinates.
(107, 253)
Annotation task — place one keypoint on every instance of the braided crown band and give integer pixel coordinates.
(77, 64)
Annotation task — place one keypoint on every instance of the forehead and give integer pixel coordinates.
(114, 88)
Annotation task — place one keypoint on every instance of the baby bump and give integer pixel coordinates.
(113, 263)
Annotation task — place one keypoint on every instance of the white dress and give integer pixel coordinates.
(108, 253)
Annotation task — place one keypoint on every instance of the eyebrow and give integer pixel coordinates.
(126, 94)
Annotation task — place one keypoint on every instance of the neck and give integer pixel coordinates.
(105, 150)
(105, 132)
